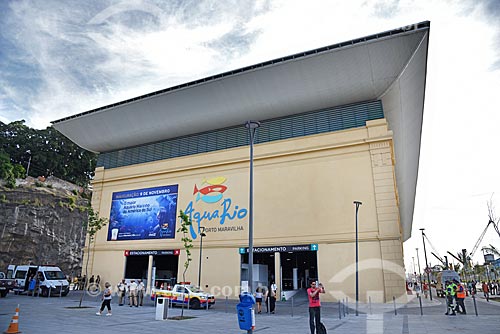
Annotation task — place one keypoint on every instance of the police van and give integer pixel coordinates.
(48, 279)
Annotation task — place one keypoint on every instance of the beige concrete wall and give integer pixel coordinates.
(303, 193)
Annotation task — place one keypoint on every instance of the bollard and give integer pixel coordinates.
(292, 306)
(347, 305)
(340, 315)
(395, 310)
(226, 305)
(50, 290)
(420, 301)
(207, 303)
(343, 307)
(370, 303)
(475, 306)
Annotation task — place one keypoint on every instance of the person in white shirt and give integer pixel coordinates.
(132, 292)
(140, 291)
(121, 292)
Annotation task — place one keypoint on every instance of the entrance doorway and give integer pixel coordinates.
(165, 270)
(297, 269)
(137, 267)
(263, 269)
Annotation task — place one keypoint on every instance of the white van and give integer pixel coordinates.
(50, 279)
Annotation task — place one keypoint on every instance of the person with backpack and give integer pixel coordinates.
(315, 307)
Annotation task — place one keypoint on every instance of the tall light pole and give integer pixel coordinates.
(357, 203)
(419, 271)
(414, 270)
(202, 234)
(252, 128)
(29, 161)
(427, 269)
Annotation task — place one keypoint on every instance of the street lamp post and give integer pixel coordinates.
(29, 162)
(427, 269)
(419, 271)
(202, 234)
(357, 203)
(252, 128)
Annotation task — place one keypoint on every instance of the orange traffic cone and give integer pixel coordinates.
(14, 323)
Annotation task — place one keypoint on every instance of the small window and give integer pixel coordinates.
(20, 274)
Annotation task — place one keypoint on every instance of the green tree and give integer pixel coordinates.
(94, 225)
(188, 244)
(50, 152)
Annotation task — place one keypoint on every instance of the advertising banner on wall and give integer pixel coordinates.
(143, 214)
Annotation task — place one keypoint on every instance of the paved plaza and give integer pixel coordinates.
(59, 315)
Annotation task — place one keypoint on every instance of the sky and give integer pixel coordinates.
(60, 58)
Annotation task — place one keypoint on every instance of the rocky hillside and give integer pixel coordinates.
(42, 222)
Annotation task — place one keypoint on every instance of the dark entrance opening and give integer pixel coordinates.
(166, 267)
(263, 269)
(305, 265)
(137, 267)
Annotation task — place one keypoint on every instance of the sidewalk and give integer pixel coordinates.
(52, 315)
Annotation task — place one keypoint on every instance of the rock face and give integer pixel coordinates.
(42, 223)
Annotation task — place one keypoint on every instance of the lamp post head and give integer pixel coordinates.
(357, 202)
(202, 234)
(251, 125)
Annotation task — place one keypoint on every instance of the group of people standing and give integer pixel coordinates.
(134, 290)
(490, 288)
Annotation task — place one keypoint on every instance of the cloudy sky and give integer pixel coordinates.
(59, 58)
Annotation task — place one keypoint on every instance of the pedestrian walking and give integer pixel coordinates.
(140, 291)
(486, 291)
(314, 305)
(271, 299)
(121, 292)
(460, 297)
(258, 298)
(106, 299)
(132, 293)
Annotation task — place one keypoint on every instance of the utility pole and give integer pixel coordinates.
(419, 271)
(427, 269)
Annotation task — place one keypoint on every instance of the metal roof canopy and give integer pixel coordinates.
(389, 66)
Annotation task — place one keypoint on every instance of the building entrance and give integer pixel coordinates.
(263, 269)
(165, 270)
(136, 267)
(297, 269)
(297, 265)
(163, 263)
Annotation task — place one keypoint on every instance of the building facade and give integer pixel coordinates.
(338, 124)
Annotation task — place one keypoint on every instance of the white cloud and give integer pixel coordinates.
(81, 56)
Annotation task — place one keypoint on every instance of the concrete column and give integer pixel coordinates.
(277, 274)
(150, 276)
(295, 278)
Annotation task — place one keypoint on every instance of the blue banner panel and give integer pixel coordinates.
(140, 214)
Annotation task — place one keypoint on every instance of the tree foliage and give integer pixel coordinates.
(188, 244)
(51, 153)
(94, 224)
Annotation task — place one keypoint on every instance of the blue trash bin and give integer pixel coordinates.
(244, 309)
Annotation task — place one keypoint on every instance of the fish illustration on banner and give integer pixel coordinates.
(211, 193)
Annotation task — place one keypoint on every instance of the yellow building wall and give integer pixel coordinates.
(304, 190)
